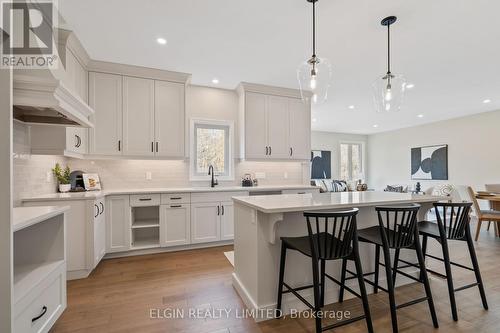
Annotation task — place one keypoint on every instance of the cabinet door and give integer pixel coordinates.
(205, 222)
(138, 116)
(300, 129)
(175, 225)
(277, 118)
(105, 97)
(255, 126)
(99, 232)
(118, 216)
(169, 119)
(227, 221)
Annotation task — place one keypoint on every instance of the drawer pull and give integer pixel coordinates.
(175, 206)
(176, 198)
(301, 192)
(145, 199)
(44, 311)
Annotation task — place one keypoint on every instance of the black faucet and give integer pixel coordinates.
(213, 181)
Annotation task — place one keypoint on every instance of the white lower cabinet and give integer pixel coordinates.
(118, 219)
(175, 224)
(99, 239)
(205, 222)
(227, 221)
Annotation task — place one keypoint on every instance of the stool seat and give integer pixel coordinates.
(430, 229)
(303, 245)
(373, 234)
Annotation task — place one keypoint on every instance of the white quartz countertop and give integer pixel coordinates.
(28, 216)
(99, 194)
(301, 202)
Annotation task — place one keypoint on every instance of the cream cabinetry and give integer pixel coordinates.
(58, 140)
(175, 225)
(275, 124)
(118, 223)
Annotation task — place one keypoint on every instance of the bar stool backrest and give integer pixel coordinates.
(453, 218)
(331, 233)
(397, 224)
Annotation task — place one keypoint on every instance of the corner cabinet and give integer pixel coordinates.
(136, 117)
(275, 124)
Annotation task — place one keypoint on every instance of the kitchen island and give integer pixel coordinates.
(260, 221)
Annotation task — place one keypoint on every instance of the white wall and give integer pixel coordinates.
(331, 141)
(473, 153)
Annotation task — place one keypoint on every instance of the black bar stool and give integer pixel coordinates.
(397, 230)
(332, 236)
(453, 223)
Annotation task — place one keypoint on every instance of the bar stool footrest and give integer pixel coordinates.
(343, 285)
(342, 323)
(415, 301)
(467, 286)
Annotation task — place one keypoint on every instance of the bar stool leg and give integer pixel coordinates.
(317, 300)
(377, 268)
(425, 280)
(424, 252)
(281, 277)
(362, 288)
(395, 267)
(475, 265)
(390, 289)
(449, 277)
(322, 299)
(342, 280)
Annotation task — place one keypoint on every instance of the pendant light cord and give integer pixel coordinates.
(314, 29)
(388, 49)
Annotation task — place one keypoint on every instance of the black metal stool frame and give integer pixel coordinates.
(324, 246)
(402, 235)
(454, 226)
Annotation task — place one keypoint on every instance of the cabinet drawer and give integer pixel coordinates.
(144, 200)
(303, 191)
(216, 196)
(40, 313)
(175, 198)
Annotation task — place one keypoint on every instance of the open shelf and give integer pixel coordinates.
(145, 237)
(146, 223)
(28, 276)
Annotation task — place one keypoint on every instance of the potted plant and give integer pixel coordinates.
(62, 177)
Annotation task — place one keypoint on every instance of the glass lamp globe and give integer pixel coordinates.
(314, 76)
(388, 92)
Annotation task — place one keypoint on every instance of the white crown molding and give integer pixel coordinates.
(269, 90)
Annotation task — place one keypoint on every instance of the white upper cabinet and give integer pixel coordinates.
(105, 97)
(138, 116)
(76, 76)
(169, 119)
(275, 124)
(277, 127)
(299, 114)
(255, 121)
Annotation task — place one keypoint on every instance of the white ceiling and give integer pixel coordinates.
(449, 49)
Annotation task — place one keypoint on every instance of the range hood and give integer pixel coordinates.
(39, 97)
(44, 96)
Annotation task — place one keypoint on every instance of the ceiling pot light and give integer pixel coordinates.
(215, 81)
(161, 41)
(389, 90)
(375, 126)
(420, 116)
(315, 74)
(351, 107)
(410, 86)
(486, 101)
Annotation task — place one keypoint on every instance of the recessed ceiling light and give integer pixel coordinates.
(351, 107)
(420, 116)
(161, 41)
(486, 101)
(215, 81)
(410, 85)
(375, 126)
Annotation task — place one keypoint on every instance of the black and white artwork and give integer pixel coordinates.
(430, 162)
(321, 164)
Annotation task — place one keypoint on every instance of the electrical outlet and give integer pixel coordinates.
(285, 175)
(260, 175)
(149, 175)
(48, 177)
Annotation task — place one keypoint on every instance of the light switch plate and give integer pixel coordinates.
(285, 175)
(149, 176)
(48, 177)
(260, 175)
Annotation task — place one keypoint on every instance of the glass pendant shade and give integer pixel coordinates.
(388, 93)
(314, 78)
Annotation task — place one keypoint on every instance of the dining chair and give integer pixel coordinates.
(481, 214)
(494, 205)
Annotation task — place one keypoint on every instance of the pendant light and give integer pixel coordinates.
(388, 91)
(315, 74)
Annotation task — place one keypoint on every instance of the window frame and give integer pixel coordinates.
(362, 145)
(208, 123)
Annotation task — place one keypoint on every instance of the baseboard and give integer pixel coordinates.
(79, 274)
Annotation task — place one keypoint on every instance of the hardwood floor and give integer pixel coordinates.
(119, 294)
